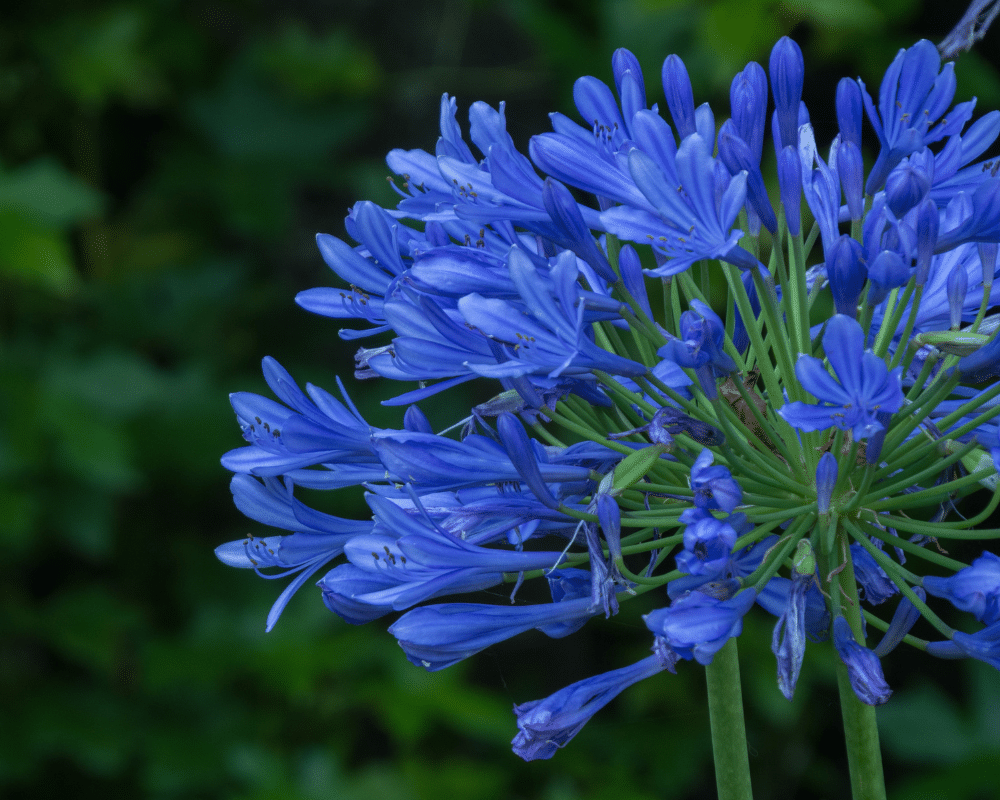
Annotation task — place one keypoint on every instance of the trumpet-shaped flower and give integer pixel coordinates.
(864, 385)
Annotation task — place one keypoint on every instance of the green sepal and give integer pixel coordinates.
(976, 461)
(956, 343)
(633, 467)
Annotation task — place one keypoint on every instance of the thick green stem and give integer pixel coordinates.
(861, 736)
(864, 756)
(729, 738)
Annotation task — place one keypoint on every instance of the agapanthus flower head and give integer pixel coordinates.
(668, 413)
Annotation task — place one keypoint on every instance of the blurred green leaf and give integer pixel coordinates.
(245, 122)
(96, 451)
(977, 76)
(735, 32)
(114, 383)
(84, 726)
(88, 626)
(19, 509)
(46, 193)
(924, 725)
(35, 254)
(38, 202)
(837, 15)
(84, 520)
(314, 66)
(103, 54)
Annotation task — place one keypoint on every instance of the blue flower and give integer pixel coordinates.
(318, 538)
(438, 636)
(708, 543)
(887, 271)
(821, 187)
(605, 575)
(826, 480)
(866, 385)
(316, 429)
(914, 95)
(629, 82)
(493, 267)
(551, 338)
(438, 463)
(668, 422)
(984, 645)
(680, 97)
(909, 182)
(714, 487)
(787, 70)
(697, 625)
(863, 667)
(741, 142)
(788, 642)
(903, 619)
(953, 172)
(847, 274)
(738, 157)
(874, 585)
(748, 102)
(975, 589)
(700, 346)
(407, 559)
(546, 725)
(790, 186)
(686, 226)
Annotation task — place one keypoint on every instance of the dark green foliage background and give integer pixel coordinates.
(164, 166)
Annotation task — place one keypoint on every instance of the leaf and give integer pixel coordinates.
(246, 122)
(311, 66)
(35, 254)
(632, 468)
(924, 725)
(47, 193)
(102, 54)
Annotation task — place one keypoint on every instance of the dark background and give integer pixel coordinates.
(164, 166)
